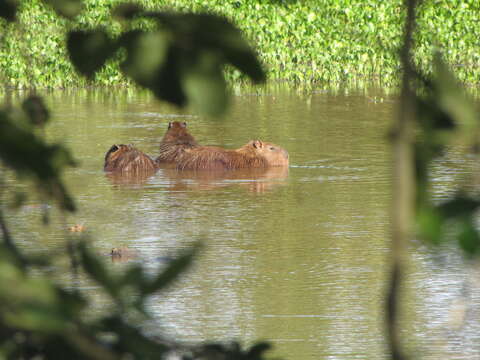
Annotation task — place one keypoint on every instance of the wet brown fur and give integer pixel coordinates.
(128, 159)
(175, 142)
(180, 148)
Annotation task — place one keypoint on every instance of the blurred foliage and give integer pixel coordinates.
(8, 9)
(179, 57)
(29, 155)
(444, 112)
(66, 8)
(41, 320)
(179, 61)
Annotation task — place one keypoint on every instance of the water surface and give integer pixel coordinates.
(298, 257)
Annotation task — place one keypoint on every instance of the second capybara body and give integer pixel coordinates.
(181, 148)
(128, 159)
(174, 143)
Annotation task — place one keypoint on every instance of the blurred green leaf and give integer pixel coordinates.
(430, 225)
(146, 54)
(126, 11)
(66, 8)
(257, 350)
(432, 117)
(174, 269)
(215, 33)
(36, 110)
(18, 200)
(131, 340)
(89, 50)
(133, 276)
(35, 316)
(231, 350)
(98, 271)
(459, 206)
(154, 63)
(30, 155)
(8, 9)
(166, 83)
(451, 96)
(33, 303)
(468, 238)
(204, 84)
(182, 62)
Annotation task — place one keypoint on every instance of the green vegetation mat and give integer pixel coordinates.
(328, 41)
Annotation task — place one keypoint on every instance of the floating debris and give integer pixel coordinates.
(77, 228)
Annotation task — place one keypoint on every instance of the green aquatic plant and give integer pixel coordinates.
(328, 42)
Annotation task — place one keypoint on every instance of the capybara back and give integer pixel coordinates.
(128, 159)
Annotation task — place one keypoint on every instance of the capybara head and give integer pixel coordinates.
(274, 155)
(178, 134)
(126, 158)
(113, 152)
(175, 141)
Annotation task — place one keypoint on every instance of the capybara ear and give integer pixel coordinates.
(170, 125)
(184, 124)
(257, 144)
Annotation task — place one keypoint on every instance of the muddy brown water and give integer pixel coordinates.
(294, 256)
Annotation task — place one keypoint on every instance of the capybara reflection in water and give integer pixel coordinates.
(128, 159)
(180, 148)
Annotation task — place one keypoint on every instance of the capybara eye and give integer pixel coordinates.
(272, 148)
(114, 148)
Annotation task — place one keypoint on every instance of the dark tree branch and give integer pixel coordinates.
(403, 184)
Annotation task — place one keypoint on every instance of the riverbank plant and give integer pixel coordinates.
(329, 42)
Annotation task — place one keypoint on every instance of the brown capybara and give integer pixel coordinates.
(180, 148)
(128, 159)
(175, 141)
(122, 254)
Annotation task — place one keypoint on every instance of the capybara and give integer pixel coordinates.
(128, 159)
(180, 148)
(122, 254)
(175, 141)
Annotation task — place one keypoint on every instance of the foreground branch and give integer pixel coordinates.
(403, 185)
